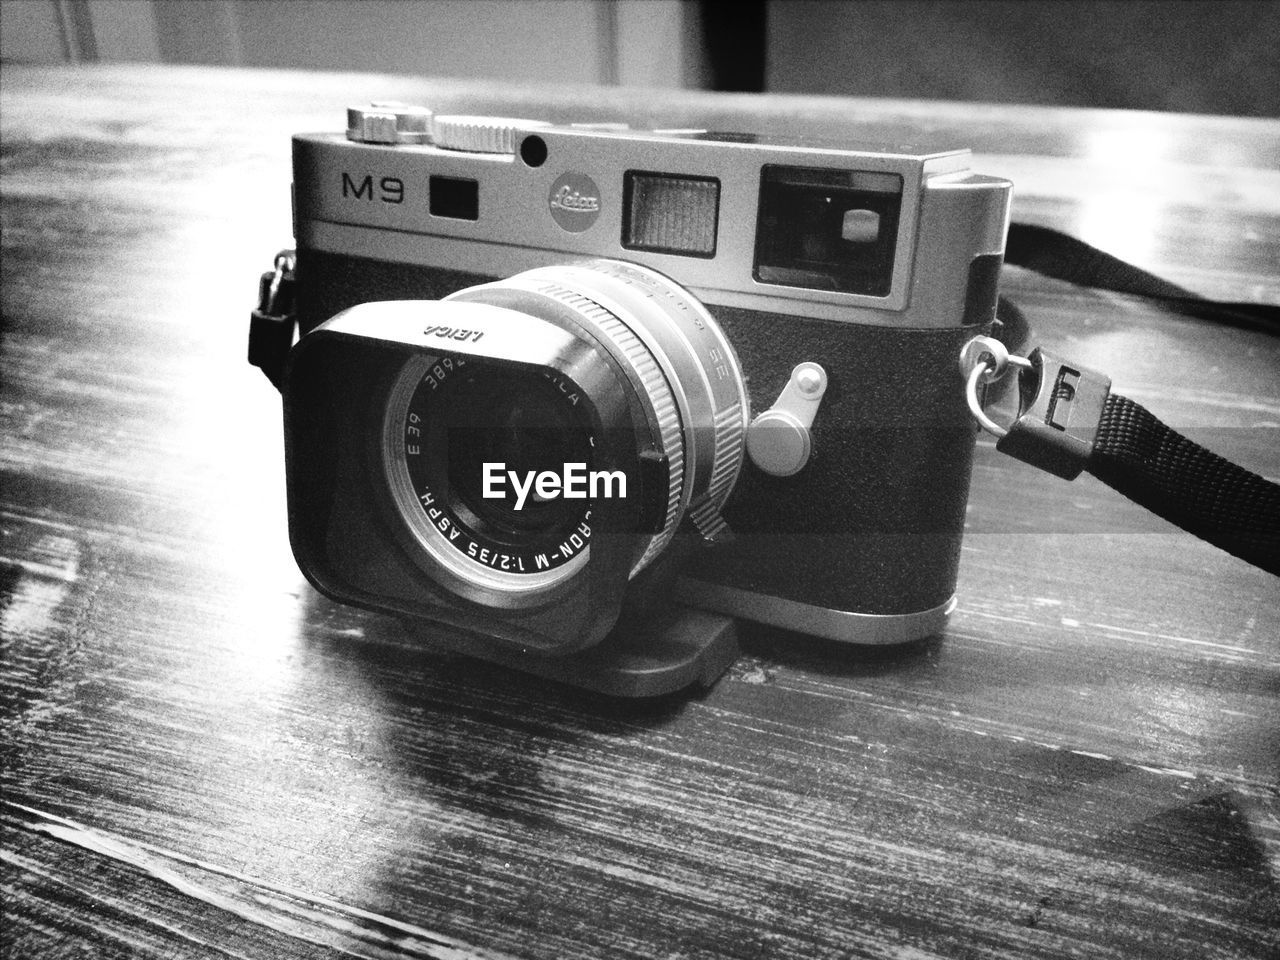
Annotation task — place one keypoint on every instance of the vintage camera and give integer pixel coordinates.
(574, 397)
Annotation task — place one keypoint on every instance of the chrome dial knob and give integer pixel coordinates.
(482, 134)
(389, 121)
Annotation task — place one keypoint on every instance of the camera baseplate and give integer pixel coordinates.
(658, 653)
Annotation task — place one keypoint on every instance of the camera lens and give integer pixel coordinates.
(464, 445)
(480, 449)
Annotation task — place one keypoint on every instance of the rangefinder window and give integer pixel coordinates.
(454, 197)
(670, 213)
(825, 229)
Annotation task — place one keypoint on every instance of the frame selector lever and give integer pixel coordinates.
(778, 440)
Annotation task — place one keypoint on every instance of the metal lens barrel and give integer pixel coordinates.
(684, 373)
(686, 403)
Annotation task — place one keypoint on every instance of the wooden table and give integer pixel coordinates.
(203, 757)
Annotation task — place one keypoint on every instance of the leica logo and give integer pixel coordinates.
(453, 333)
(566, 198)
(574, 201)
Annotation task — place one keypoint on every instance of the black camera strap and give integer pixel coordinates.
(1063, 257)
(1069, 421)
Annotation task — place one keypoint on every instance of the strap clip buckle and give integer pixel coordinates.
(1060, 406)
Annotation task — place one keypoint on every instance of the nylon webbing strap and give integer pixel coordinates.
(1063, 257)
(1201, 492)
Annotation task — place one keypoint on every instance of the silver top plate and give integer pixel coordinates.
(374, 201)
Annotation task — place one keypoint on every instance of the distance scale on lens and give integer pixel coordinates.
(447, 419)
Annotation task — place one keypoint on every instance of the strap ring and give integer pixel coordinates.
(985, 360)
(283, 266)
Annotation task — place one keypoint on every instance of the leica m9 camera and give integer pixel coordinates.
(578, 398)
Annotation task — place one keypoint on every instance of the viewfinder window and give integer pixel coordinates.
(670, 213)
(827, 229)
(454, 197)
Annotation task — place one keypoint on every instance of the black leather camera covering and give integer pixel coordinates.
(873, 523)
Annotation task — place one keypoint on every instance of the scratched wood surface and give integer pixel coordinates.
(202, 757)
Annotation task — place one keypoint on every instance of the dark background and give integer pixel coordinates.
(1199, 56)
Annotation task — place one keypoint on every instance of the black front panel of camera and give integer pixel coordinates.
(892, 448)
(873, 522)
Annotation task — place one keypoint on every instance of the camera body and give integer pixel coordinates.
(803, 303)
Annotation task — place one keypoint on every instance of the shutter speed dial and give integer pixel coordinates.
(473, 134)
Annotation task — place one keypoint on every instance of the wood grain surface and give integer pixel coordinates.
(203, 757)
